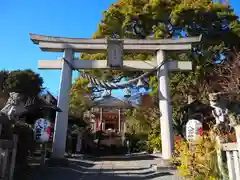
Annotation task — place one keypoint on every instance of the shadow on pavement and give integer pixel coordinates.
(76, 174)
(89, 169)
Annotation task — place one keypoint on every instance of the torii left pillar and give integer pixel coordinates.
(61, 122)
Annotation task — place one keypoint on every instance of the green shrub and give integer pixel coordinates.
(154, 141)
(137, 141)
(141, 146)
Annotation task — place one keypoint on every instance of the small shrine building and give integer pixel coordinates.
(109, 114)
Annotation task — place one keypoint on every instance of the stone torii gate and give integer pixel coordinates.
(115, 48)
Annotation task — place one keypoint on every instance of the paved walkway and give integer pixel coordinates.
(106, 169)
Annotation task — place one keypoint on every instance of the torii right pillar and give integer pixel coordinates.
(165, 107)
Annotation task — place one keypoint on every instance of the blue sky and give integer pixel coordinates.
(72, 18)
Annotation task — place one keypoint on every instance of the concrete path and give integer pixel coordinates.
(106, 169)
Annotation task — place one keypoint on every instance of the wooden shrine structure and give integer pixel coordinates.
(109, 114)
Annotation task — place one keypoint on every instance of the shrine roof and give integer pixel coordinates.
(112, 102)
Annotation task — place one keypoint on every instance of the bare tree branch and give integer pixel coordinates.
(227, 75)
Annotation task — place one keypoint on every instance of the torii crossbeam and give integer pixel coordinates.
(114, 48)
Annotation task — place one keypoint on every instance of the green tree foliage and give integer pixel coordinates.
(79, 98)
(25, 82)
(142, 120)
(144, 19)
(176, 18)
(154, 140)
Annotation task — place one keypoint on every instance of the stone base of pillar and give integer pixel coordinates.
(163, 164)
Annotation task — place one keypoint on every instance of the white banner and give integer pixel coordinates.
(193, 127)
(42, 129)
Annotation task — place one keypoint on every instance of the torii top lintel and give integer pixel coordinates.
(58, 44)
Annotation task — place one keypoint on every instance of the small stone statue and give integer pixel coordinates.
(14, 107)
(10, 113)
(220, 111)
